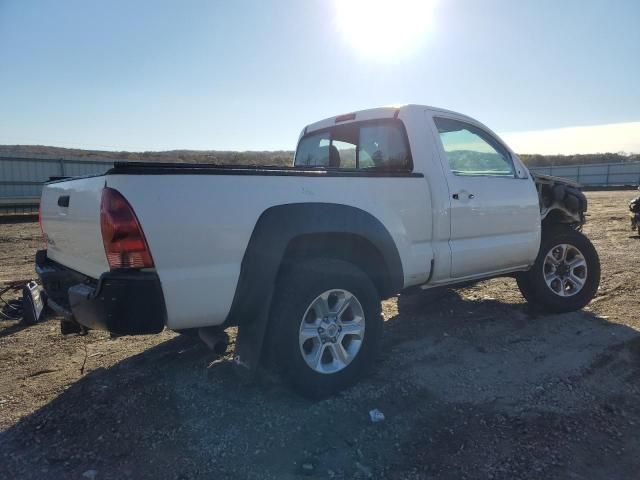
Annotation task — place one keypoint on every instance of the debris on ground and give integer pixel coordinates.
(376, 415)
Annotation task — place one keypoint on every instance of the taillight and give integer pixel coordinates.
(123, 239)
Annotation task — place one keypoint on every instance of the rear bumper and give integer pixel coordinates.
(125, 303)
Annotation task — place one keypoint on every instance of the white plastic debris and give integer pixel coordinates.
(376, 415)
(90, 474)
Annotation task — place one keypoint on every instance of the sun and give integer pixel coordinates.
(384, 29)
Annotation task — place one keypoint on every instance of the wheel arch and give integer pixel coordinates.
(558, 216)
(349, 247)
(285, 233)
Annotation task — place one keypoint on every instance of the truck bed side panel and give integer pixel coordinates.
(198, 227)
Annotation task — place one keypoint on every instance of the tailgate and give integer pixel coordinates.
(70, 212)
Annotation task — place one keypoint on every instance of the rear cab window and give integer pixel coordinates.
(379, 145)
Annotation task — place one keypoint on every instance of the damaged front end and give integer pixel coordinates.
(561, 200)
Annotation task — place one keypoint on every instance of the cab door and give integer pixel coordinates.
(494, 211)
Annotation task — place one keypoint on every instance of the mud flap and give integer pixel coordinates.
(249, 345)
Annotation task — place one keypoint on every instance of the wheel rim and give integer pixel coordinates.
(332, 331)
(565, 270)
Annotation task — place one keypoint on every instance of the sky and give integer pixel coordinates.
(250, 74)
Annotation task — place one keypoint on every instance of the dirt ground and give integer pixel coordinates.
(473, 384)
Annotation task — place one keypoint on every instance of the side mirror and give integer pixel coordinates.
(517, 166)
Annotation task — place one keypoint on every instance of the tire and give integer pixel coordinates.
(572, 267)
(303, 292)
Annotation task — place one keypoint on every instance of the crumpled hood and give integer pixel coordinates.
(549, 180)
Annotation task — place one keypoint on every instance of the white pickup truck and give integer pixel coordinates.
(299, 257)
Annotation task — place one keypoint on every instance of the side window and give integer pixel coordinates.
(379, 145)
(472, 151)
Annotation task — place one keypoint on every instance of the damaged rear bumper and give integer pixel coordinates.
(124, 303)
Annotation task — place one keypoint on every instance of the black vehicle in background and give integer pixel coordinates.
(634, 207)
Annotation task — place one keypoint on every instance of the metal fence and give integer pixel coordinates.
(21, 178)
(600, 174)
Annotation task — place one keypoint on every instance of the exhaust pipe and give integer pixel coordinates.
(217, 340)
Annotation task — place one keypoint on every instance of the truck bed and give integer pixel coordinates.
(198, 221)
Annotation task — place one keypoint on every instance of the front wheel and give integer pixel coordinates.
(566, 273)
(325, 325)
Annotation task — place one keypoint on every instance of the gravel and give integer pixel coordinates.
(473, 383)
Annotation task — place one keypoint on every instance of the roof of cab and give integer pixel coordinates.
(371, 114)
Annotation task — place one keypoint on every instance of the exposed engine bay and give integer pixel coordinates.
(561, 200)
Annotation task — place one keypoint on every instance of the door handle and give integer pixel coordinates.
(456, 196)
(63, 201)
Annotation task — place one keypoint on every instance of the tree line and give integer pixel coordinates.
(278, 158)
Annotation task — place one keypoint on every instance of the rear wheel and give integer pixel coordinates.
(325, 325)
(566, 273)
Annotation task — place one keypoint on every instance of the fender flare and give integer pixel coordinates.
(276, 228)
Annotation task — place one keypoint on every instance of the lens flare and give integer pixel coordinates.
(384, 29)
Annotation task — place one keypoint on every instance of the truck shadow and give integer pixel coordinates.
(173, 411)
